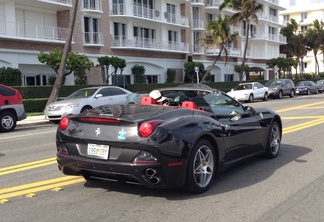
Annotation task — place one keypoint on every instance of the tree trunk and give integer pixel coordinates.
(67, 48)
(211, 67)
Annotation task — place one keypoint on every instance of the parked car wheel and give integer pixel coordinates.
(274, 140)
(265, 97)
(308, 92)
(292, 93)
(251, 98)
(7, 122)
(86, 108)
(201, 168)
(280, 95)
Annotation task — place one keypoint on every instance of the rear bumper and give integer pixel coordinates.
(150, 175)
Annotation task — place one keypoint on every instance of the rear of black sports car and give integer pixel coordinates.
(130, 144)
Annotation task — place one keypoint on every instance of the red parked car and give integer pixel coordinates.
(11, 108)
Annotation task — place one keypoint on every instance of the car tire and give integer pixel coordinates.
(251, 98)
(201, 167)
(86, 108)
(7, 122)
(265, 97)
(274, 141)
(308, 92)
(280, 95)
(292, 94)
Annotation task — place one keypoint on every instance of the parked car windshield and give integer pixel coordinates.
(274, 83)
(82, 93)
(243, 87)
(320, 82)
(303, 84)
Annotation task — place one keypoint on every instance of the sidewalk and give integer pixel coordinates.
(33, 120)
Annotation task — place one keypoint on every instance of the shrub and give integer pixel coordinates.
(10, 76)
(171, 75)
(34, 105)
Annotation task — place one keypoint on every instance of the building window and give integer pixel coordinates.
(152, 78)
(229, 77)
(144, 37)
(91, 30)
(196, 45)
(171, 13)
(303, 15)
(286, 18)
(305, 65)
(118, 7)
(273, 12)
(303, 28)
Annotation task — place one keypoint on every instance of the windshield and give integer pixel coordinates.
(82, 93)
(243, 87)
(303, 84)
(320, 82)
(274, 83)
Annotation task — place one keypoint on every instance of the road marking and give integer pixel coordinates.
(27, 134)
(27, 166)
(39, 186)
(301, 126)
(299, 107)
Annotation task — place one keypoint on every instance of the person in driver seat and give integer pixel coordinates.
(157, 96)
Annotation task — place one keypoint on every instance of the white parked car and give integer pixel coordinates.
(248, 92)
(84, 99)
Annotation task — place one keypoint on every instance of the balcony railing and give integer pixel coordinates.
(92, 5)
(147, 13)
(197, 24)
(213, 3)
(148, 44)
(92, 38)
(234, 52)
(68, 2)
(32, 31)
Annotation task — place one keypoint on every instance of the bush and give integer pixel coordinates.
(10, 76)
(171, 75)
(34, 105)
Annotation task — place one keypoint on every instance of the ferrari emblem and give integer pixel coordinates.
(98, 131)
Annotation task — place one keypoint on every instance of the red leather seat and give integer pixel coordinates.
(146, 100)
(189, 105)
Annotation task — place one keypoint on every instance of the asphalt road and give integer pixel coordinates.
(288, 188)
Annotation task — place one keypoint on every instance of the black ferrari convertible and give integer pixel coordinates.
(185, 144)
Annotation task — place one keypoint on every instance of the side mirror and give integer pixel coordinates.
(232, 90)
(98, 95)
(255, 88)
(249, 110)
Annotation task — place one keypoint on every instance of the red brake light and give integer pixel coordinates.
(147, 128)
(99, 120)
(64, 123)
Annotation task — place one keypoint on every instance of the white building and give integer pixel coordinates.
(158, 34)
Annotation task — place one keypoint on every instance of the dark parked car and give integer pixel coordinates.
(11, 108)
(306, 88)
(167, 146)
(320, 85)
(281, 87)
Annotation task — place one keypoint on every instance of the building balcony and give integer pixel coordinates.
(92, 6)
(32, 32)
(233, 52)
(57, 5)
(197, 2)
(122, 10)
(123, 42)
(92, 39)
(197, 25)
(213, 3)
(271, 18)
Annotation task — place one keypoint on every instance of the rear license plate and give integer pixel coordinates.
(98, 151)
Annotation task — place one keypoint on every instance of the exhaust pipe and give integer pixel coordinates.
(154, 180)
(150, 172)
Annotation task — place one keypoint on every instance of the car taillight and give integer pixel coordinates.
(19, 96)
(147, 128)
(64, 123)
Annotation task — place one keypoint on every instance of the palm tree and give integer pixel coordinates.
(314, 40)
(245, 10)
(219, 35)
(67, 48)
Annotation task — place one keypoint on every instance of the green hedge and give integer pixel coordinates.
(34, 105)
